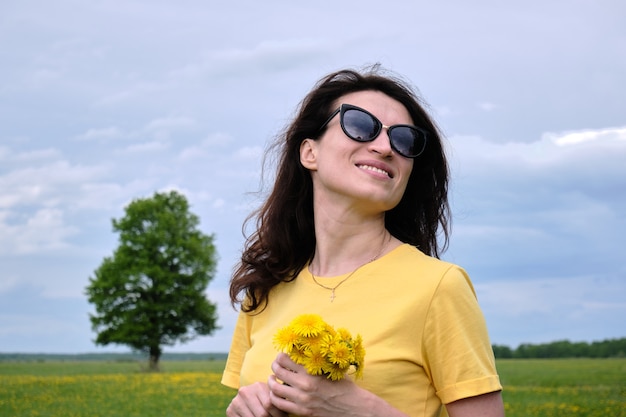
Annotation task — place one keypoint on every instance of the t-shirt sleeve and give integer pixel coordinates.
(239, 346)
(458, 353)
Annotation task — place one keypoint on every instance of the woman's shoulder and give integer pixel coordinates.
(409, 262)
(409, 254)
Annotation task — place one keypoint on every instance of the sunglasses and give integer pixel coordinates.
(362, 126)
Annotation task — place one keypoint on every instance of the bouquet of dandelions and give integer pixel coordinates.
(322, 350)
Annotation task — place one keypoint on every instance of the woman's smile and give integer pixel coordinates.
(376, 169)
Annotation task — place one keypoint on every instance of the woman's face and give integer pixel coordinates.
(371, 173)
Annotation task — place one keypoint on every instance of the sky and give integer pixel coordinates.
(103, 102)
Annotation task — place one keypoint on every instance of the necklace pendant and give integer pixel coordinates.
(332, 295)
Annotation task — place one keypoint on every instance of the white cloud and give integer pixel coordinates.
(266, 55)
(169, 123)
(154, 146)
(40, 184)
(218, 203)
(553, 158)
(486, 106)
(193, 152)
(217, 139)
(206, 148)
(38, 154)
(45, 230)
(20, 195)
(271, 51)
(109, 196)
(129, 94)
(8, 282)
(583, 136)
(111, 132)
(159, 129)
(249, 152)
(4, 152)
(443, 111)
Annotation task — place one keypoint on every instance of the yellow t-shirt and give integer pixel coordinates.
(424, 334)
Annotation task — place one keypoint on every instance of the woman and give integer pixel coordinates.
(349, 232)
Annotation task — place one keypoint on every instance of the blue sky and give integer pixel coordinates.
(102, 102)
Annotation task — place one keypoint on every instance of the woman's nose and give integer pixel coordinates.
(382, 143)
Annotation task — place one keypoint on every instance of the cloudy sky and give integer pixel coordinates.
(102, 102)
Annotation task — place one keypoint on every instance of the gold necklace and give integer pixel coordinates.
(332, 289)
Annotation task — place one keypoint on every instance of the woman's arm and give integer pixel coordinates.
(486, 405)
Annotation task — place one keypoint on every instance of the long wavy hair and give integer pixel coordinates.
(283, 242)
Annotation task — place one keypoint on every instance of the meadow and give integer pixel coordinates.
(534, 387)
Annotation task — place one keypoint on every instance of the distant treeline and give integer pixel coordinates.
(611, 348)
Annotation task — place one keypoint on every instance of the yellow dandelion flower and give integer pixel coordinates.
(285, 339)
(334, 372)
(315, 361)
(312, 341)
(344, 334)
(321, 349)
(328, 329)
(359, 356)
(326, 342)
(298, 355)
(308, 325)
(339, 354)
(358, 349)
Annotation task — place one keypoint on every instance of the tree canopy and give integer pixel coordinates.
(151, 292)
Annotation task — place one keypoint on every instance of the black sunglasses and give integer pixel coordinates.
(360, 125)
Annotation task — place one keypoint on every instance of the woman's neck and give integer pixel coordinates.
(342, 248)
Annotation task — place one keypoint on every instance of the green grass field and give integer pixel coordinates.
(564, 387)
(581, 387)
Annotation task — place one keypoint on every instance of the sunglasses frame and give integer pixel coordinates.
(343, 108)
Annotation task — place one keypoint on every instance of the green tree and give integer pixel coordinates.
(151, 292)
(502, 352)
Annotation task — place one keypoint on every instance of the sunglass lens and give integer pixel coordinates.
(359, 125)
(407, 141)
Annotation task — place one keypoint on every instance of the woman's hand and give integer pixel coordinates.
(253, 401)
(304, 394)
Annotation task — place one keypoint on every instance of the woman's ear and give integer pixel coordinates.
(308, 154)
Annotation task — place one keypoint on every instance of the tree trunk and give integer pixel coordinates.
(153, 361)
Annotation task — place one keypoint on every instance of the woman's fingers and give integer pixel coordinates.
(253, 401)
(287, 370)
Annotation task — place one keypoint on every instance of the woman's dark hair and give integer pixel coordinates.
(284, 240)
